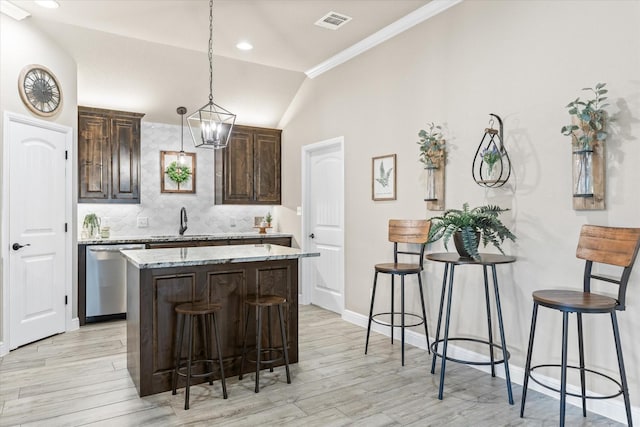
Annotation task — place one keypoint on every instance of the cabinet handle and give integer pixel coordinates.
(312, 235)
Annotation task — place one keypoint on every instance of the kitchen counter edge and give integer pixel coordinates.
(184, 257)
(186, 238)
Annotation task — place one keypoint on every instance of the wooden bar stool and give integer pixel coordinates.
(206, 314)
(281, 353)
(600, 245)
(406, 232)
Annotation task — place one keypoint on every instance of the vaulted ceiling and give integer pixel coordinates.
(150, 56)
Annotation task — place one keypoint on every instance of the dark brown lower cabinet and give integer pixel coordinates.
(152, 295)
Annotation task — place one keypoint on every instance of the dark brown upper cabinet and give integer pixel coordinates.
(248, 170)
(108, 156)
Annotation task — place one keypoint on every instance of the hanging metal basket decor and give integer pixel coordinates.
(491, 164)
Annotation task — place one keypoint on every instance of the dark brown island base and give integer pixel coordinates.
(160, 279)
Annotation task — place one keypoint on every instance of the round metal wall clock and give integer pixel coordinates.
(40, 90)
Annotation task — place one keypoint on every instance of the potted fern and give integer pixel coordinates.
(468, 226)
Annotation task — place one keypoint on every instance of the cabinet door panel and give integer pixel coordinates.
(267, 167)
(93, 157)
(238, 168)
(125, 150)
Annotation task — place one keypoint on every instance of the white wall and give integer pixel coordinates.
(163, 209)
(522, 60)
(22, 44)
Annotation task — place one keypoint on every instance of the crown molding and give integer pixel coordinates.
(417, 16)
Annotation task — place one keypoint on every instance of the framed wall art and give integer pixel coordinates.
(176, 177)
(383, 177)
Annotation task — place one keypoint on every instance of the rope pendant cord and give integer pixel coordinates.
(210, 50)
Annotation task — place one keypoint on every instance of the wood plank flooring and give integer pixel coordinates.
(80, 378)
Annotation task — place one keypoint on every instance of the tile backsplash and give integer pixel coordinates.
(162, 210)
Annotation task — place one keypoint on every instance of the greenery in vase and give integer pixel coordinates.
(590, 119)
(483, 219)
(91, 223)
(178, 173)
(432, 145)
(268, 218)
(490, 156)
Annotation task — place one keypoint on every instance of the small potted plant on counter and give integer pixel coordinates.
(268, 219)
(468, 227)
(91, 225)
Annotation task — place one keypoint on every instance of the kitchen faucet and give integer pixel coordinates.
(183, 221)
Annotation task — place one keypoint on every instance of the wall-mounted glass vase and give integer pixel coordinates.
(432, 193)
(434, 183)
(583, 173)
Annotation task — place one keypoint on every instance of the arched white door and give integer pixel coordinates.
(35, 179)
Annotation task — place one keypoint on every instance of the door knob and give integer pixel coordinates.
(17, 246)
(312, 235)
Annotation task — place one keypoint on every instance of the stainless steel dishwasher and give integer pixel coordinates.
(107, 281)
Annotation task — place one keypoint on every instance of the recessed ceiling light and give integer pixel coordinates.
(49, 4)
(13, 11)
(244, 46)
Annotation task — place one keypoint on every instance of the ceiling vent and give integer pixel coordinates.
(333, 20)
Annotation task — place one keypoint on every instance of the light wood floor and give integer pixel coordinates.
(80, 378)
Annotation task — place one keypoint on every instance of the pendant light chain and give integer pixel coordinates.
(211, 125)
(210, 50)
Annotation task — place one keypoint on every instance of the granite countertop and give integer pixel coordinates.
(205, 255)
(178, 238)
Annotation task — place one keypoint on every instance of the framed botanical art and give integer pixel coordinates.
(176, 177)
(383, 177)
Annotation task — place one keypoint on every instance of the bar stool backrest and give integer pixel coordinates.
(409, 231)
(609, 245)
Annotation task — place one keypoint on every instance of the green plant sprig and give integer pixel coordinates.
(432, 145)
(591, 117)
(178, 173)
(483, 219)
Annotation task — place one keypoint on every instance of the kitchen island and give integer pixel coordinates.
(160, 279)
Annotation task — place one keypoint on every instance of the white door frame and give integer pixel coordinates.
(307, 150)
(10, 117)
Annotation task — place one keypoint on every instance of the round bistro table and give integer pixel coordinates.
(487, 261)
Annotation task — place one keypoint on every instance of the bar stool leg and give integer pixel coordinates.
(402, 316)
(424, 312)
(442, 294)
(270, 341)
(178, 353)
(219, 349)
(527, 367)
(563, 373)
(393, 291)
(206, 336)
(258, 345)
(582, 375)
(486, 297)
(244, 343)
(284, 343)
(373, 298)
(623, 375)
(190, 340)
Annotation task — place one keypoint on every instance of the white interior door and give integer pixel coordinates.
(323, 224)
(36, 185)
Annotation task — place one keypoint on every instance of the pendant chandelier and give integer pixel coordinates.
(211, 125)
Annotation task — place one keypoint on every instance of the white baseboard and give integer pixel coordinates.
(610, 408)
(4, 348)
(75, 324)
